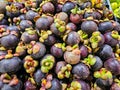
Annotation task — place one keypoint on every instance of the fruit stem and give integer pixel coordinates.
(103, 74)
(9, 55)
(65, 71)
(90, 60)
(50, 63)
(75, 85)
(115, 35)
(30, 64)
(95, 39)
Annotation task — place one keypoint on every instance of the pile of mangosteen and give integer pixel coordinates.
(58, 45)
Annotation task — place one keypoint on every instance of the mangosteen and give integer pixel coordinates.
(47, 63)
(63, 70)
(72, 55)
(112, 65)
(67, 7)
(81, 71)
(89, 26)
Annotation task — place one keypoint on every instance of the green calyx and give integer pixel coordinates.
(75, 85)
(30, 31)
(20, 48)
(61, 45)
(47, 64)
(117, 81)
(77, 10)
(61, 25)
(30, 64)
(95, 39)
(115, 35)
(33, 48)
(90, 60)
(90, 18)
(65, 72)
(103, 74)
(11, 8)
(71, 48)
(83, 35)
(44, 35)
(9, 55)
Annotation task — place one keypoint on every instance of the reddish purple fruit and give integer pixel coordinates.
(89, 26)
(48, 8)
(81, 71)
(112, 38)
(42, 23)
(112, 65)
(105, 26)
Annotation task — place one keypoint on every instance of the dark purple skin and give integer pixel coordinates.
(116, 26)
(56, 85)
(22, 17)
(17, 13)
(101, 82)
(41, 51)
(27, 38)
(38, 76)
(95, 15)
(81, 71)
(29, 86)
(89, 27)
(55, 30)
(1, 84)
(105, 26)
(19, 5)
(50, 19)
(59, 65)
(84, 51)
(84, 85)
(73, 38)
(9, 41)
(15, 87)
(4, 22)
(57, 52)
(48, 8)
(62, 16)
(98, 64)
(110, 40)
(115, 86)
(67, 7)
(25, 24)
(112, 65)
(50, 40)
(30, 15)
(86, 5)
(76, 18)
(42, 23)
(59, 8)
(71, 26)
(14, 28)
(105, 52)
(13, 14)
(11, 65)
(3, 52)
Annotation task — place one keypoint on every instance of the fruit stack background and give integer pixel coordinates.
(58, 45)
